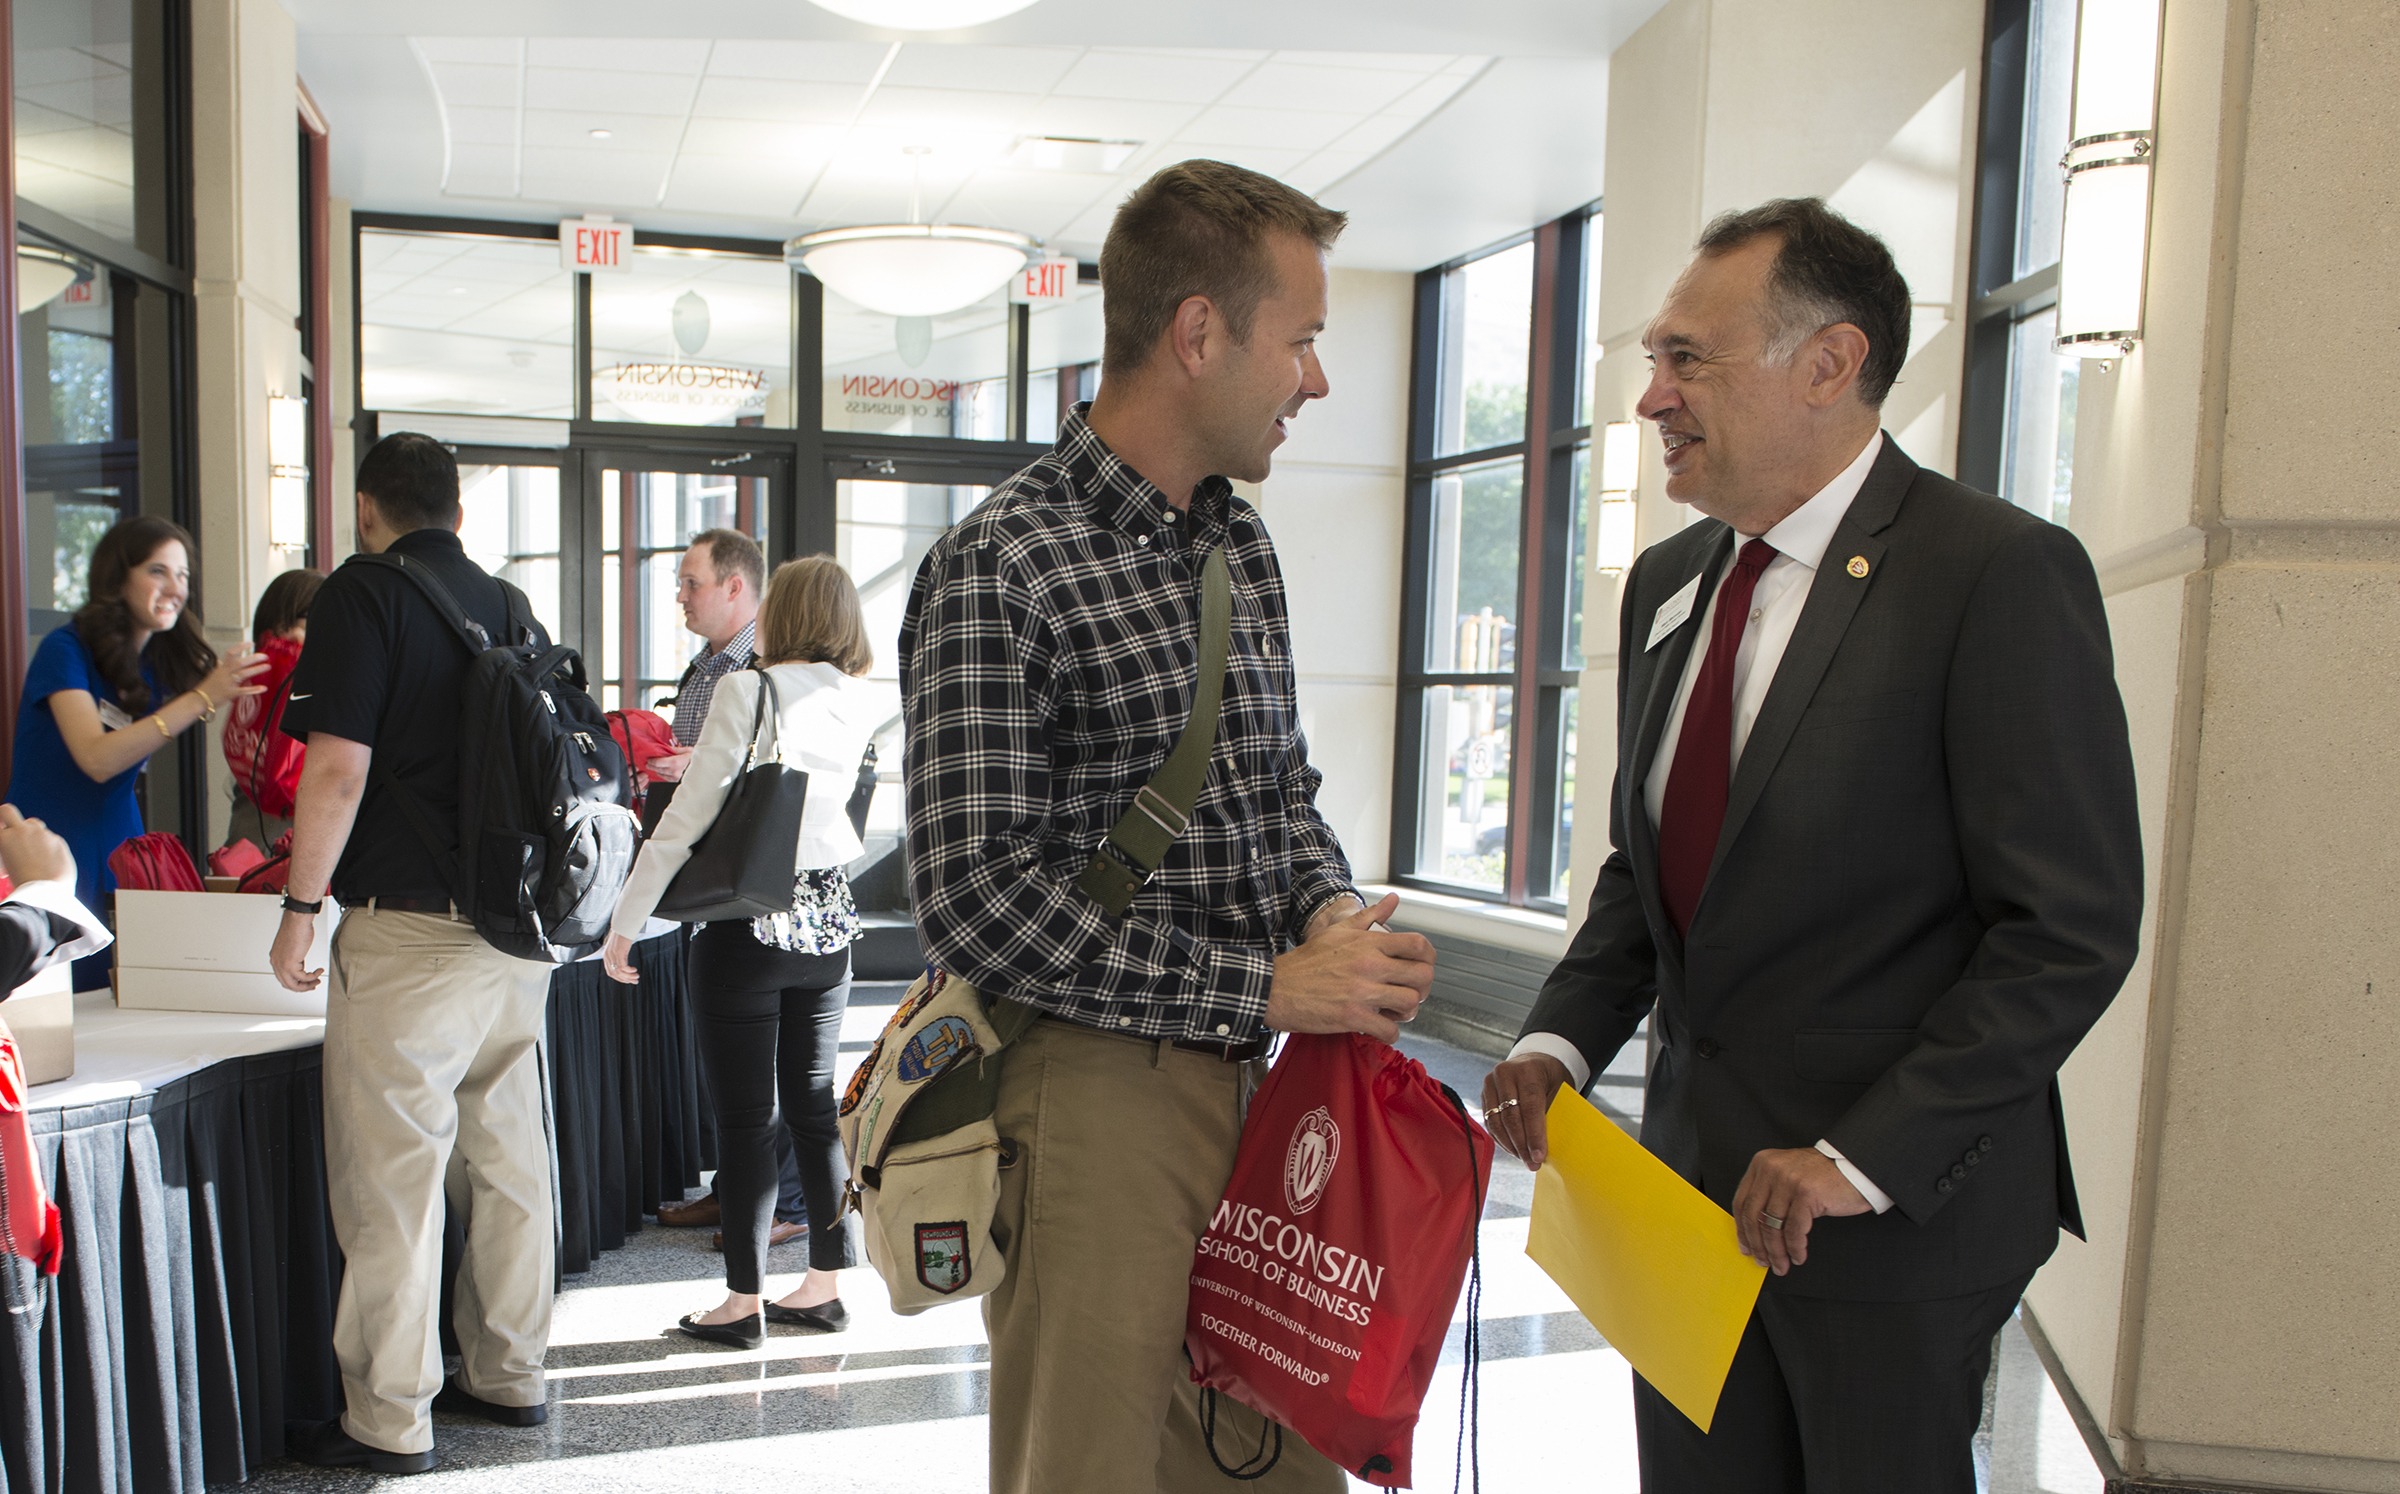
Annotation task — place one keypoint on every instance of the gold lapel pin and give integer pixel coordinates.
(1858, 566)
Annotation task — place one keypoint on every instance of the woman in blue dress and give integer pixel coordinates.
(130, 673)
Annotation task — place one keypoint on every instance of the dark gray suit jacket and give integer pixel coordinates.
(1927, 890)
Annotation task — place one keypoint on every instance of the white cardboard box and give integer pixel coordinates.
(207, 952)
(41, 1013)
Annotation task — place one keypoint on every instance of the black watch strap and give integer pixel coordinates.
(292, 904)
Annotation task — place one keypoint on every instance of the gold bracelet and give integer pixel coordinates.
(208, 707)
(160, 721)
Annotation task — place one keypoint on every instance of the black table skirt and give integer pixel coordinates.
(194, 1313)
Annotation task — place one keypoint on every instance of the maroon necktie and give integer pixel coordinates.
(1693, 810)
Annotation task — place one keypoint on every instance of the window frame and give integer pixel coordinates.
(1539, 676)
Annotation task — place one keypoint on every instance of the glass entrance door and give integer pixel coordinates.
(648, 506)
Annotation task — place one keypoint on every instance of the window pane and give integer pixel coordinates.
(2049, 92)
(881, 531)
(2041, 420)
(1569, 703)
(92, 116)
(1591, 319)
(464, 325)
(918, 376)
(511, 529)
(667, 645)
(1579, 517)
(1063, 350)
(1472, 591)
(1462, 818)
(693, 339)
(1487, 324)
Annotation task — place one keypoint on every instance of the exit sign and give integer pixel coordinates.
(595, 245)
(1051, 280)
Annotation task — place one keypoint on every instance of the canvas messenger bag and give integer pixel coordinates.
(925, 1154)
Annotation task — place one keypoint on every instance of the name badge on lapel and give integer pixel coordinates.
(1672, 612)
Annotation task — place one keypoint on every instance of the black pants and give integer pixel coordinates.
(1836, 1398)
(769, 1023)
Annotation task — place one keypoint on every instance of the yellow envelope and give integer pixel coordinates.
(1650, 1261)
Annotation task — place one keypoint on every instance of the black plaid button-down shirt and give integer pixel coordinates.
(1047, 664)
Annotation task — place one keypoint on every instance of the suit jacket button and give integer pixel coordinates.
(1957, 1170)
(1706, 1048)
(1941, 1185)
(1973, 1158)
(1984, 1145)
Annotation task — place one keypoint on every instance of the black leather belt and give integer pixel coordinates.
(1228, 1052)
(441, 905)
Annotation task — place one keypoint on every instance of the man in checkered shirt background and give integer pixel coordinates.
(1048, 663)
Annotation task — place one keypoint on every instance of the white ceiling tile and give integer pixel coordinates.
(572, 129)
(993, 69)
(481, 171)
(1398, 62)
(1427, 96)
(1107, 119)
(43, 65)
(1281, 129)
(1326, 167)
(1282, 84)
(483, 126)
(496, 50)
(594, 178)
(739, 184)
(1270, 160)
(1035, 202)
(1372, 137)
(619, 54)
(768, 140)
(477, 85)
(622, 93)
(1175, 78)
(933, 110)
(1217, 54)
(798, 61)
(1087, 230)
(762, 98)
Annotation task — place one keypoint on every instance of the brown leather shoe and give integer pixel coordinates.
(781, 1232)
(700, 1213)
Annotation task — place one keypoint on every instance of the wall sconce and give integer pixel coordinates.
(2105, 247)
(287, 472)
(1620, 463)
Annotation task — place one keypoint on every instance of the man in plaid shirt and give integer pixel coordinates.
(1048, 664)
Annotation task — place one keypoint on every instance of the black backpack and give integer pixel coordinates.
(544, 842)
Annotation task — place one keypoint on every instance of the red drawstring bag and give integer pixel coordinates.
(156, 862)
(272, 875)
(1325, 1282)
(237, 860)
(28, 1219)
(266, 763)
(641, 736)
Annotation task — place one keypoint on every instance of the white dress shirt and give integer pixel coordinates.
(821, 727)
(1799, 543)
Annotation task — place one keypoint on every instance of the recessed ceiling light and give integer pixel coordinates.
(602, 134)
(1072, 153)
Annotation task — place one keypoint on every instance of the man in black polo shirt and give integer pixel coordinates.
(429, 1031)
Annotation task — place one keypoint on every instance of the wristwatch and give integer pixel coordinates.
(292, 904)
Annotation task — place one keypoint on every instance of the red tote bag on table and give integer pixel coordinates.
(1325, 1282)
(156, 862)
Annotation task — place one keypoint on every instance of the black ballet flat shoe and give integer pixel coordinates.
(741, 1333)
(826, 1317)
(456, 1399)
(325, 1445)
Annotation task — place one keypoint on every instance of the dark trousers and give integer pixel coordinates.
(1833, 1397)
(769, 1025)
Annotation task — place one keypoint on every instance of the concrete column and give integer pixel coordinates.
(247, 247)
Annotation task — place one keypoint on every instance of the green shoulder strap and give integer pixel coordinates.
(1163, 806)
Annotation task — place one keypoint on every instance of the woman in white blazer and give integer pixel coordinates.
(768, 993)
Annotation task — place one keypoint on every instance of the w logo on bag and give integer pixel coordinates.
(1308, 1164)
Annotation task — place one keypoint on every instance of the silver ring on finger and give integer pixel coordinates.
(1771, 1221)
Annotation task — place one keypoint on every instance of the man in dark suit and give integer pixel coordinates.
(1875, 872)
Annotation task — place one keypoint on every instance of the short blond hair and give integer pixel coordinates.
(811, 615)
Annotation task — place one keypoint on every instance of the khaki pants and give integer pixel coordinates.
(429, 1057)
(1124, 1150)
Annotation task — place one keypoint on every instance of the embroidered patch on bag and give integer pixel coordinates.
(942, 1256)
(935, 1049)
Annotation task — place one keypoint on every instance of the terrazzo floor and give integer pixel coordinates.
(896, 1405)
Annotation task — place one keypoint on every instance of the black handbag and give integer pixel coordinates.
(742, 866)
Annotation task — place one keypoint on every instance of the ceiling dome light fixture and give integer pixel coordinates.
(923, 15)
(913, 269)
(44, 273)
